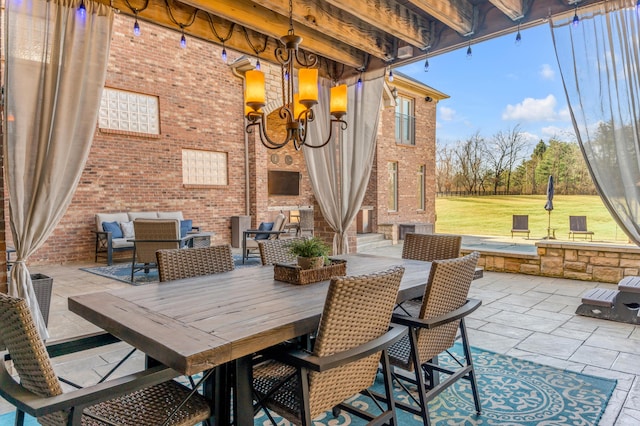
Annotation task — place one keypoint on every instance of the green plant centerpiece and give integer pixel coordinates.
(312, 253)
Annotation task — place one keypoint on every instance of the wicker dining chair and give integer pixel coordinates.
(300, 385)
(176, 264)
(145, 398)
(429, 247)
(433, 331)
(277, 251)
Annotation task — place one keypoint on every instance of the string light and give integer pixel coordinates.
(136, 27)
(576, 19)
(638, 6)
(82, 10)
(426, 64)
(224, 54)
(469, 53)
(183, 40)
(359, 84)
(518, 36)
(390, 75)
(258, 64)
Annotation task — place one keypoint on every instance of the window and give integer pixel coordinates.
(123, 111)
(405, 121)
(392, 202)
(204, 167)
(421, 193)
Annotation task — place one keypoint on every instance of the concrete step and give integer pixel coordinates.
(371, 241)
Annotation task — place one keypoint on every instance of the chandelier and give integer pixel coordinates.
(296, 108)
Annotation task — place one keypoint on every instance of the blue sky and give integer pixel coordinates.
(502, 85)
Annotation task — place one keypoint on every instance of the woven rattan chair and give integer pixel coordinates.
(434, 331)
(346, 354)
(306, 222)
(429, 247)
(145, 398)
(277, 251)
(152, 235)
(176, 264)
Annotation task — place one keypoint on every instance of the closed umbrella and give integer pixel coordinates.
(549, 206)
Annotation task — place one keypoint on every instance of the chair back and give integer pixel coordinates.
(367, 302)
(306, 221)
(428, 247)
(447, 290)
(277, 251)
(160, 234)
(18, 333)
(278, 225)
(520, 222)
(578, 223)
(176, 264)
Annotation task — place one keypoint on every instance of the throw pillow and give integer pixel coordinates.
(185, 227)
(127, 229)
(113, 227)
(264, 226)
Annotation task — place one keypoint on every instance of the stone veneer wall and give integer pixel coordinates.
(579, 261)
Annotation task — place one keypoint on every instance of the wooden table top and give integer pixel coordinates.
(198, 323)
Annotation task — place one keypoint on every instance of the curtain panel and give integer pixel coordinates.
(599, 60)
(340, 171)
(56, 63)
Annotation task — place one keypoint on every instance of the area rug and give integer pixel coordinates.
(512, 392)
(122, 271)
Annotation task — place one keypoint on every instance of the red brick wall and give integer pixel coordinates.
(409, 158)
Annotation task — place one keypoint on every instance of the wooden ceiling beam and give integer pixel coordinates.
(456, 14)
(390, 17)
(271, 23)
(337, 24)
(514, 9)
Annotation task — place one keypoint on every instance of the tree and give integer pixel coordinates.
(445, 169)
(469, 159)
(502, 154)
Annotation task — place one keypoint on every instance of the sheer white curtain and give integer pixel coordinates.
(599, 61)
(340, 171)
(56, 63)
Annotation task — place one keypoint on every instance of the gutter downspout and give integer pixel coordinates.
(239, 67)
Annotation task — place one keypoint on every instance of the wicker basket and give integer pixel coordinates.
(42, 287)
(295, 275)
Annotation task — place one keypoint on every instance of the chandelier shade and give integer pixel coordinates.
(296, 107)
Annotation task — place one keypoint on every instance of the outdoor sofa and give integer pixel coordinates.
(113, 230)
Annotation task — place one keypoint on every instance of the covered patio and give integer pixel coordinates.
(523, 316)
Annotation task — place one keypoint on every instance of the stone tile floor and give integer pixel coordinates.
(523, 316)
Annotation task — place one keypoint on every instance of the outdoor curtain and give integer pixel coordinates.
(599, 60)
(339, 172)
(56, 63)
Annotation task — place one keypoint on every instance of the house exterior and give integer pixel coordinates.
(171, 137)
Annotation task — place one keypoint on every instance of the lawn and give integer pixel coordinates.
(491, 215)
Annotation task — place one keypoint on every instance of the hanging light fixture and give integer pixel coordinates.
(296, 108)
(518, 36)
(576, 19)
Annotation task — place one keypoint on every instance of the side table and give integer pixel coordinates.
(201, 239)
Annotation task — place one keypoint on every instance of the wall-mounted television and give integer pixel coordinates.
(282, 182)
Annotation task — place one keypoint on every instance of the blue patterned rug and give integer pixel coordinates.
(122, 271)
(512, 392)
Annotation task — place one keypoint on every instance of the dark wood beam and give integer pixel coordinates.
(390, 17)
(337, 24)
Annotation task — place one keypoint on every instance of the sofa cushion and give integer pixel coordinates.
(185, 227)
(264, 226)
(141, 215)
(120, 243)
(114, 228)
(127, 229)
(109, 217)
(170, 215)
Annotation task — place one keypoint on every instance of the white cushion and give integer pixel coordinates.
(141, 215)
(170, 215)
(109, 217)
(121, 242)
(127, 229)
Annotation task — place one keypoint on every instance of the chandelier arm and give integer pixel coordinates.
(343, 125)
(307, 60)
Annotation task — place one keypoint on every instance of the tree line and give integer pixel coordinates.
(504, 164)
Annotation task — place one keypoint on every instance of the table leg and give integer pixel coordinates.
(218, 389)
(243, 396)
(244, 247)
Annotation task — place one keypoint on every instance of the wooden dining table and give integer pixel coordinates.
(195, 324)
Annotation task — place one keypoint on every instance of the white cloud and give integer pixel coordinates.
(530, 138)
(447, 114)
(564, 114)
(546, 72)
(531, 109)
(562, 133)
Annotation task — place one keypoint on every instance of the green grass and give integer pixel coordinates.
(491, 215)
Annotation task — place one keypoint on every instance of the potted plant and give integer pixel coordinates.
(312, 253)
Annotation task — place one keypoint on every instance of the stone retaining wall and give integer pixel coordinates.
(579, 261)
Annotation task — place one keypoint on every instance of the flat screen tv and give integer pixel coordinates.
(283, 182)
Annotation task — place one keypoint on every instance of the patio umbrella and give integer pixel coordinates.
(549, 205)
